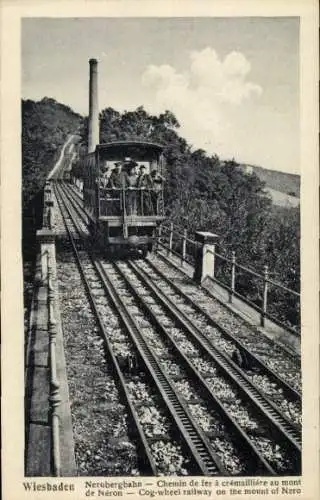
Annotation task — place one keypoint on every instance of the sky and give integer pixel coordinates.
(233, 83)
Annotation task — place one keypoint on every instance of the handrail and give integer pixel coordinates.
(182, 235)
(279, 285)
(170, 232)
(257, 275)
(240, 266)
(188, 261)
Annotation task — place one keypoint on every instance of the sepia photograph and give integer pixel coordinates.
(161, 186)
(162, 230)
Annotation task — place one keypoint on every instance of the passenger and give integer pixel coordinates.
(157, 180)
(145, 184)
(106, 203)
(137, 170)
(144, 179)
(118, 178)
(106, 176)
(118, 181)
(104, 179)
(132, 190)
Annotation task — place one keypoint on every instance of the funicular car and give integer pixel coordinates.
(123, 194)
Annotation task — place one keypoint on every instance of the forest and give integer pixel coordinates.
(45, 127)
(202, 192)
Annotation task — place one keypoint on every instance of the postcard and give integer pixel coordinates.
(160, 261)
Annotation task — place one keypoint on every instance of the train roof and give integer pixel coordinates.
(144, 145)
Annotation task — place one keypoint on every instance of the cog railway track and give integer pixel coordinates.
(188, 372)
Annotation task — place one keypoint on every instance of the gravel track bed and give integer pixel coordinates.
(238, 408)
(155, 422)
(205, 416)
(271, 354)
(222, 444)
(102, 443)
(272, 390)
(166, 451)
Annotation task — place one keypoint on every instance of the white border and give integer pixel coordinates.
(12, 307)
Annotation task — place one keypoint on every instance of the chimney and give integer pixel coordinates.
(93, 138)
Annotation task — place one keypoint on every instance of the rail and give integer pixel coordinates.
(228, 274)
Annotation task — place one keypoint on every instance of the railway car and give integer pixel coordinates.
(123, 194)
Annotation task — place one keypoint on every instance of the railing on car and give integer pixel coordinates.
(132, 201)
(234, 277)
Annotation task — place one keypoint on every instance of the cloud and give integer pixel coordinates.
(163, 76)
(204, 95)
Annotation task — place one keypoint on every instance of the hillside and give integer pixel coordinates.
(279, 181)
(45, 127)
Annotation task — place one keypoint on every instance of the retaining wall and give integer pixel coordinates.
(49, 446)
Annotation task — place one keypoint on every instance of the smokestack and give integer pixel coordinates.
(93, 138)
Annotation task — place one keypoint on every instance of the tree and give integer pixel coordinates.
(204, 193)
(45, 127)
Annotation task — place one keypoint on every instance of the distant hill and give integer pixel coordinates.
(279, 181)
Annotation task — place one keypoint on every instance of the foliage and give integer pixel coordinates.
(45, 127)
(283, 254)
(204, 193)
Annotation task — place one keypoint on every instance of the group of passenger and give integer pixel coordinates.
(142, 189)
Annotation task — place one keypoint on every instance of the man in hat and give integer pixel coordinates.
(118, 181)
(118, 178)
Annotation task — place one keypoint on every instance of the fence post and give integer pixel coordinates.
(204, 265)
(233, 276)
(170, 238)
(159, 237)
(184, 246)
(265, 296)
